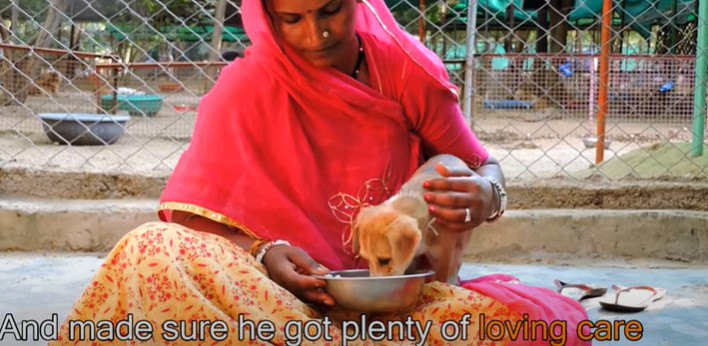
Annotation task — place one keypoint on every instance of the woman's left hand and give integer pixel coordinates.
(450, 197)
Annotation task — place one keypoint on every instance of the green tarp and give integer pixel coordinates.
(122, 31)
(204, 33)
(639, 14)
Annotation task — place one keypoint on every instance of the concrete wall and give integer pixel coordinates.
(680, 235)
(677, 235)
(69, 225)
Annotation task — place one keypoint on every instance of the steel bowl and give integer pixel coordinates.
(356, 290)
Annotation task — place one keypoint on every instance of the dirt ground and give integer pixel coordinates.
(168, 123)
(521, 159)
(528, 149)
(532, 145)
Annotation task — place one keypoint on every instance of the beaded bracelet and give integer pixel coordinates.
(267, 246)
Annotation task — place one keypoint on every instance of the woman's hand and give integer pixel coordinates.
(290, 267)
(449, 197)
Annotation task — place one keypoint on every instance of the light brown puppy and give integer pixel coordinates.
(392, 234)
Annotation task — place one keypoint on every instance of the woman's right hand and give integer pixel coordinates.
(290, 267)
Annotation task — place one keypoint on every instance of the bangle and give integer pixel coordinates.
(502, 200)
(267, 246)
(253, 250)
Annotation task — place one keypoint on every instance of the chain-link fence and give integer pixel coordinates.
(532, 74)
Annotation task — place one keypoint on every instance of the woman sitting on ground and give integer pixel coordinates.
(333, 107)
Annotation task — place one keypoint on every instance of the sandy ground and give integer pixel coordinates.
(138, 155)
(530, 144)
(169, 122)
(526, 159)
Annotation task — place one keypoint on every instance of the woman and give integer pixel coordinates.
(333, 107)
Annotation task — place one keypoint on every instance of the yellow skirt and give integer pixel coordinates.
(164, 284)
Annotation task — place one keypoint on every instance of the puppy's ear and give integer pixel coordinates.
(404, 237)
(364, 214)
(355, 239)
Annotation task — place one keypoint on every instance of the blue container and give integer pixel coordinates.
(666, 87)
(135, 105)
(565, 70)
(508, 104)
(83, 129)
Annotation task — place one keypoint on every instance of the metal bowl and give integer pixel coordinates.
(355, 290)
(83, 129)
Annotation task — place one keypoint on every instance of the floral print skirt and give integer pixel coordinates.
(164, 284)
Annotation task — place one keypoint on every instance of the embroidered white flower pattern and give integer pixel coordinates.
(345, 206)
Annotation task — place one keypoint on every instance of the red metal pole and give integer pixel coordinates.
(605, 46)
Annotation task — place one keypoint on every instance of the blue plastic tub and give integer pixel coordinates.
(508, 104)
(135, 105)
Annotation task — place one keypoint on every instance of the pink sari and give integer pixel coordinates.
(282, 150)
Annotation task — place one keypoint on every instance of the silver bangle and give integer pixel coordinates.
(267, 246)
(502, 200)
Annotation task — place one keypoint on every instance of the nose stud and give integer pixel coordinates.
(325, 34)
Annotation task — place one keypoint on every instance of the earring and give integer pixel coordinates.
(325, 34)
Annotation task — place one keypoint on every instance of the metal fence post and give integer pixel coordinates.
(471, 32)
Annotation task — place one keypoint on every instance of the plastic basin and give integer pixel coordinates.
(83, 129)
(508, 104)
(135, 105)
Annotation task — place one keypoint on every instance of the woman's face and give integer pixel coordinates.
(320, 31)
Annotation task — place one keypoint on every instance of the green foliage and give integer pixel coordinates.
(31, 14)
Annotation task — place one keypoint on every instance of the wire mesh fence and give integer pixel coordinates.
(534, 73)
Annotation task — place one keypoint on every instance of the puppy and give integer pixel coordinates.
(391, 235)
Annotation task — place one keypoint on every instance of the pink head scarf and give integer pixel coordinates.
(373, 18)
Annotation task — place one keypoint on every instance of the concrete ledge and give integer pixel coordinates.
(676, 235)
(70, 225)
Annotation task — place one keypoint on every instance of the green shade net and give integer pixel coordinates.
(640, 15)
(203, 33)
(123, 31)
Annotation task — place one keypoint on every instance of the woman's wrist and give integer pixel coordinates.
(266, 246)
